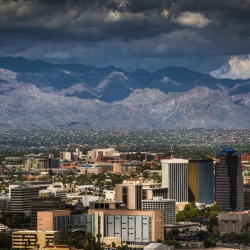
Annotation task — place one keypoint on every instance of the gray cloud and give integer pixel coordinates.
(198, 34)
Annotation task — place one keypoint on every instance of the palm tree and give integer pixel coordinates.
(23, 238)
(35, 244)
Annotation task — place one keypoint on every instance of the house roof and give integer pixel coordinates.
(156, 246)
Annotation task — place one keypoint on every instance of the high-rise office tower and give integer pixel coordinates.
(21, 196)
(201, 181)
(229, 180)
(175, 178)
(21, 193)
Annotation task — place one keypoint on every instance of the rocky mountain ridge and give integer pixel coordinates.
(37, 94)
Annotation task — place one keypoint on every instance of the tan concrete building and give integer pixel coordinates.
(100, 167)
(108, 167)
(110, 240)
(133, 191)
(56, 247)
(62, 221)
(233, 222)
(120, 226)
(106, 204)
(33, 239)
(44, 204)
(130, 225)
(105, 152)
(45, 219)
(90, 170)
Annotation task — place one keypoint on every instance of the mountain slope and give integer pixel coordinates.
(37, 94)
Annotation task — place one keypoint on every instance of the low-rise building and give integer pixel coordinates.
(46, 219)
(233, 222)
(61, 220)
(56, 247)
(33, 239)
(89, 169)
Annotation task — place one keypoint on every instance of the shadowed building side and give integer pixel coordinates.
(229, 180)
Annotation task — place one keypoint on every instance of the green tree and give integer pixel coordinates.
(5, 240)
(123, 247)
(245, 238)
(231, 237)
(202, 235)
(189, 213)
(113, 244)
(209, 243)
(174, 243)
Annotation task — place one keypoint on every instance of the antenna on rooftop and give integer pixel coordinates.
(171, 151)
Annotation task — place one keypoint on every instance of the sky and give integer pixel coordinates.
(209, 36)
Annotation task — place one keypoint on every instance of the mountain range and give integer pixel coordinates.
(38, 94)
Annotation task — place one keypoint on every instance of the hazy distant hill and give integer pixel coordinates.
(37, 94)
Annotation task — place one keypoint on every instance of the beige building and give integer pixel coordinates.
(44, 204)
(133, 191)
(90, 170)
(45, 219)
(100, 167)
(233, 222)
(118, 225)
(130, 225)
(56, 247)
(110, 240)
(106, 152)
(33, 239)
(108, 167)
(36, 163)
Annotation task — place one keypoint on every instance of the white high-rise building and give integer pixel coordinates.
(175, 178)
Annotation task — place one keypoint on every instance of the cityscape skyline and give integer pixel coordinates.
(125, 198)
(118, 120)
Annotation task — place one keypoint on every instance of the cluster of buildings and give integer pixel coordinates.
(138, 210)
(95, 162)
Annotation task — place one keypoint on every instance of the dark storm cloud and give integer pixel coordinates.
(127, 33)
